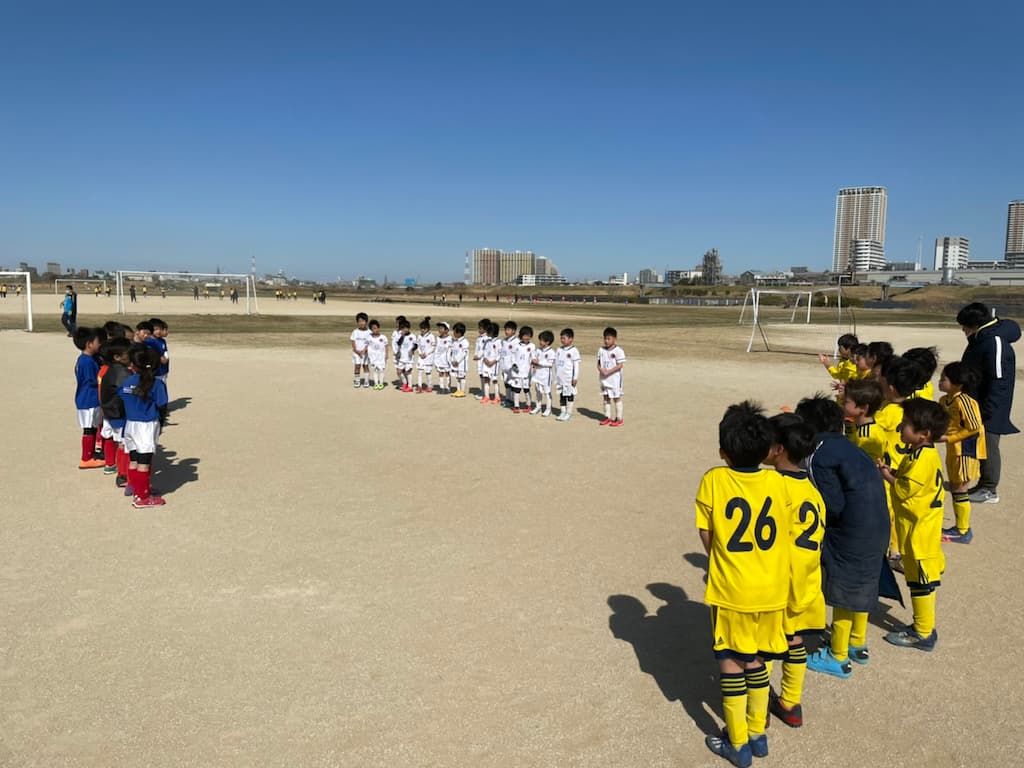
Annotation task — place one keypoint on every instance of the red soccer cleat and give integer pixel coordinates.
(605, 422)
(616, 423)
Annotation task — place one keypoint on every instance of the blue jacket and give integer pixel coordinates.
(856, 522)
(989, 351)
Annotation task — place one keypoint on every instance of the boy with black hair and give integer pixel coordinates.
(482, 338)
(927, 361)
(610, 359)
(507, 349)
(458, 357)
(918, 496)
(358, 338)
(157, 341)
(844, 369)
(876, 355)
(745, 529)
(521, 370)
(567, 373)
(861, 400)
(805, 609)
(117, 354)
(87, 394)
(856, 534)
(965, 445)
(543, 363)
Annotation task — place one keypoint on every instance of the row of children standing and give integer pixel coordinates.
(121, 400)
(529, 373)
(784, 544)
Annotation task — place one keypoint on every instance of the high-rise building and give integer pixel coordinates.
(515, 263)
(951, 253)
(860, 226)
(53, 268)
(648, 276)
(485, 266)
(492, 266)
(1014, 254)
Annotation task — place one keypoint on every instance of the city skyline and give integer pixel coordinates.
(338, 139)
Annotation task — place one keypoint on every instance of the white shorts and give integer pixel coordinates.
(109, 432)
(404, 366)
(90, 418)
(520, 383)
(443, 366)
(459, 371)
(543, 387)
(377, 365)
(613, 393)
(488, 371)
(358, 359)
(425, 365)
(141, 436)
(566, 389)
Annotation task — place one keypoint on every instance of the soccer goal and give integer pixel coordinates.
(80, 284)
(16, 296)
(131, 285)
(800, 321)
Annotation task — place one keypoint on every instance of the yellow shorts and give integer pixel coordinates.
(811, 619)
(743, 636)
(924, 573)
(961, 470)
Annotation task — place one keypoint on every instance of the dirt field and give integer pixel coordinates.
(358, 578)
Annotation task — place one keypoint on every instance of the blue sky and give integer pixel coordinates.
(389, 138)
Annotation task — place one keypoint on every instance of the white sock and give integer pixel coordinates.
(515, 399)
(487, 390)
(618, 410)
(607, 409)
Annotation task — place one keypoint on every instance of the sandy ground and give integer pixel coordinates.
(357, 578)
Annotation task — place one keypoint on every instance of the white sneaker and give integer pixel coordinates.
(563, 416)
(545, 413)
(356, 383)
(536, 409)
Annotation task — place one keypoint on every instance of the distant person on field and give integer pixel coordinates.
(965, 445)
(458, 358)
(610, 360)
(131, 294)
(87, 394)
(195, 293)
(990, 352)
(744, 525)
(69, 311)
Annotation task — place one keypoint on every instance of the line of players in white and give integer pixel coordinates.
(513, 361)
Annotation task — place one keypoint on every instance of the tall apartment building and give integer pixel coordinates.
(485, 266)
(860, 228)
(1014, 253)
(951, 253)
(514, 264)
(492, 266)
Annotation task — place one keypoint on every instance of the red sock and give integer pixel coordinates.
(109, 451)
(141, 486)
(122, 460)
(132, 481)
(99, 443)
(88, 441)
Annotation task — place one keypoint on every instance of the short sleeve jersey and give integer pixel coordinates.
(544, 360)
(139, 409)
(609, 358)
(567, 365)
(87, 382)
(807, 516)
(888, 418)
(966, 434)
(492, 350)
(444, 343)
(405, 348)
(748, 516)
(377, 349)
(458, 351)
(396, 339)
(522, 356)
(427, 342)
(869, 438)
(508, 347)
(359, 337)
(481, 343)
(927, 392)
(844, 370)
(918, 499)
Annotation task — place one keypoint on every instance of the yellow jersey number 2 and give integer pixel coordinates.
(765, 528)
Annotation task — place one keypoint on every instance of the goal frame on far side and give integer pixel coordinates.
(27, 276)
(251, 302)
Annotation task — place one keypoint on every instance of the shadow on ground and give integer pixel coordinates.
(674, 647)
(171, 473)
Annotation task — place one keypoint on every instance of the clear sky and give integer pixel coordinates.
(390, 138)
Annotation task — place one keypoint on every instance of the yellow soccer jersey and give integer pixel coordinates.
(844, 370)
(927, 392)
(746, 512)
(966, 434)
(868, 437)
(807, 515)
(888, 418)
(918, 499)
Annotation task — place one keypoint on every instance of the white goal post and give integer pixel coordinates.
(60, 285)
(805, 295)
(27, 277)
(150, 277)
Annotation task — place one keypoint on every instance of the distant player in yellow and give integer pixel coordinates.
(744, 525)
(918, 497)
(861, 401)
(926, 358)
(965, 445)
(844, 368)
(805, 611)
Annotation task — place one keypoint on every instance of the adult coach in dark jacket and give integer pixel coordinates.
(856, 523)
(990, 352)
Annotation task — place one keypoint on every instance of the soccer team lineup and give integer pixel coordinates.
(833, 518)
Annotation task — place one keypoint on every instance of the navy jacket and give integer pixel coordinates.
(856, 522)
(989, 352)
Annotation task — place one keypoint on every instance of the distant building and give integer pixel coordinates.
(52, 267)
(621, 279)
(486, 266)
(24, 267)
(492, 266)
(648, 276)
(535, 280)
(860, 221)
(1014, 253)
(763, 279)
(673, 276)
(711, 268)
(952, 253)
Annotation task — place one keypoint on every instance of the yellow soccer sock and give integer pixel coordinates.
(962, 510)
(734, 703)
(793, 673)
(924, 613)
(757, 700)
(859, 629)
(842, 623)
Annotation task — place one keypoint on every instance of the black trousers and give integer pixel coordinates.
(992, 466)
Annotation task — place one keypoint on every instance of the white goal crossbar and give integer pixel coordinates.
(753, 298)
(28, 295)
(60, 283)
(251, 302)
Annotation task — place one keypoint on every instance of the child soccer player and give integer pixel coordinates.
(425, 344)
(543, 362)
(458, 357)
(877, 354)
(117, 353)
(861, 400)
(927, 361)
(377, 354)
(441, 360)
(918, 496)
(143, 394)
(805, 611)
(844, 368)
(745, 529)
(508, 346)
(406, 351)
(860, 359)
(491, 360)
(87, 393)
(395, 338)
(610, 359)
(567, 373)
(965, 445)
(158, 341)
(358, 339)
(482, 338)
(856, 535)
(519, 373)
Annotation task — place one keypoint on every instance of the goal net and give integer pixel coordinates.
(16, 300)
(81, 285)
(798, 321)
(233, 293)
